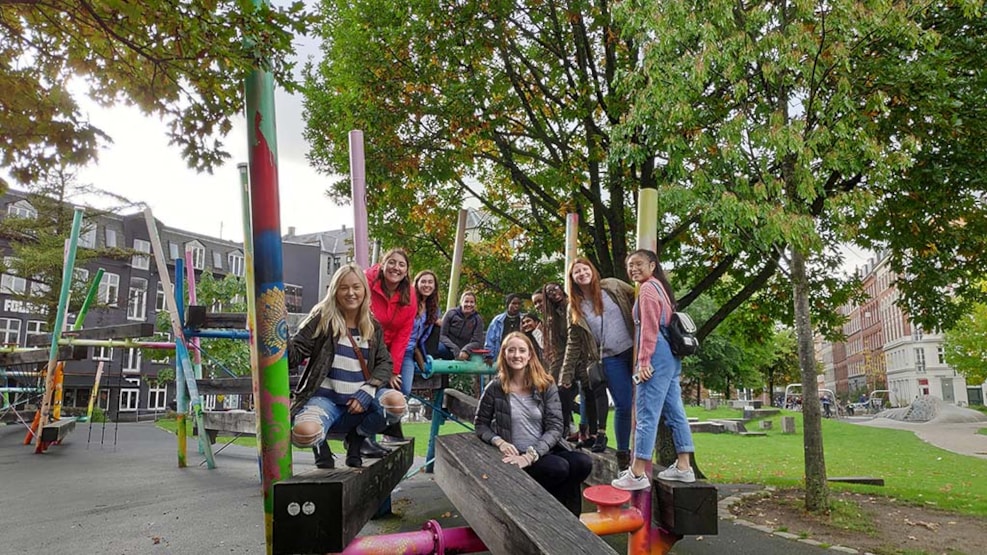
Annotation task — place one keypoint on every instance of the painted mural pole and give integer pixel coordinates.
(56, 332)
(571, 245)
(272, 401)
(248, 259)
(358, 183)
(457, 260)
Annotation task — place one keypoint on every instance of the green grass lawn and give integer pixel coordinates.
(913, 470)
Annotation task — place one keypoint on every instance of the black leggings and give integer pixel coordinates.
(597, 408)
(562, 473)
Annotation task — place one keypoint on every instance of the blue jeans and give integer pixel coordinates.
(618, 371)
(407, 372)
(661, 395)
(335, 418)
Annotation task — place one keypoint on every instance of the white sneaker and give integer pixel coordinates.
(626, 480)
(673, 473)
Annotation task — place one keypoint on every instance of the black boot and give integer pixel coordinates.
(353, 442)
(600, 445)
(623, 460)
(373, 450)
(323, 456)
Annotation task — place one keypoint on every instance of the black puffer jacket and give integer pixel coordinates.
(302, 345)
(493, 417)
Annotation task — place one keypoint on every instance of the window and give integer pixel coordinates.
(10, 282)
(132, 360)
(198, 254)
(157, 398)
(39, 289)
(940, 355)
(916, 333)
(129, 399)
(104, 399)
(236, 263)
(139, 261)
(217, 260)
(81, 275)
(22, 209)
(87, 239)
(10, 331)
(159, 299)
(137, 299)
(36, 327)
(102, 353)
(173, 250)
(160, 356)
(109, 289)
(920, 359)
(111, 238)
(68, 398)
(293, 297)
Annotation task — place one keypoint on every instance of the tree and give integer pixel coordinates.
(786, 128)
(37, 242)
(783, 365)
(966, 345)
(182, 61)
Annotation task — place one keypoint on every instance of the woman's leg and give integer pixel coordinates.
(602, 402)
(618, 372)
(651, 395)
(676, 419)
(407, 372)
(310, 426)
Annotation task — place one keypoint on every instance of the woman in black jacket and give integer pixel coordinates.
(344, 385)
(520, 414)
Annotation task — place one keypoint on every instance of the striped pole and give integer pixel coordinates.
(56, 331)
(457, 260)
(358, 189)
(272, 401)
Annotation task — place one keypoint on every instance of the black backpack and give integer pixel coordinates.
(680, 332)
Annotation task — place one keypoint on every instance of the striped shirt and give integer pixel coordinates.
(345, 377)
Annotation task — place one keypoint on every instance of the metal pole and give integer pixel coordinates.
(248, 258)
(647, 220)
(571, 246)
(358, 180)
(457, 260)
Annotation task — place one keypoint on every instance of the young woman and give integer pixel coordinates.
(658, 390)
(343, 386)
(462, 330)
(426, 320)
(554, 307)
(601, 329)
(520, 414)
(394, 304)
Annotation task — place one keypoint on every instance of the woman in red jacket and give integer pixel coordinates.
(393, 304)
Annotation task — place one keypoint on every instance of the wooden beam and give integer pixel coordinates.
(57, 430)
(231, 386)
(118, 331)
(866, 480)
(506, 508)
(321, 511)
(684, 509)
(463, 406)
(196, 317)
(40, 356)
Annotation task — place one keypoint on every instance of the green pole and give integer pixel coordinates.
(90, 297)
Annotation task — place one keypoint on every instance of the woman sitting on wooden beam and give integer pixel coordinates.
(521, 415)
(343, 387)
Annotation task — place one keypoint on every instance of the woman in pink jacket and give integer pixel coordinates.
(393, 304)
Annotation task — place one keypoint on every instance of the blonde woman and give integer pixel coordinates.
(343, 387)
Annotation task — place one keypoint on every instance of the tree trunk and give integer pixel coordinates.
(816, 491)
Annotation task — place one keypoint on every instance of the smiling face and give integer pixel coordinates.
(539, 301)
(528, 324)
(395, 269)
(426, 285)
(640, 268)
(350, 294)
(582, 274)
(516, 354)
(554, 293)
(468, 304)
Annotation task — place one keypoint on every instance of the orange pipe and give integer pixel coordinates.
(613, 520)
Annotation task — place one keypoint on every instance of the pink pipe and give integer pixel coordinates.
(432, 538)
(358, 189)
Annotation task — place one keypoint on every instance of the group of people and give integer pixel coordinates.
(364, 340)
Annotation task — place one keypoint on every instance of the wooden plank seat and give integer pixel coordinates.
(866, 480)
(506, 508)
(57, 431)
(322, 511)
(685, 509)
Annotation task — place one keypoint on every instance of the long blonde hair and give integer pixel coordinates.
(535, 375)
(329, 315)
(576, 293)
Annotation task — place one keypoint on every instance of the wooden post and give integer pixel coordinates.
(457, 260)
(788, 424)
(358, 189)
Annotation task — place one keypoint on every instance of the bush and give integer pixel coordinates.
(98, 415)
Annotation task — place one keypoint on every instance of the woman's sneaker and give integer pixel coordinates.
(626, 480)
(673, 473)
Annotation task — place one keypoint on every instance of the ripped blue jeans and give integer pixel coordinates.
(335, 419)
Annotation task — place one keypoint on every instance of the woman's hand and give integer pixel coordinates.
(522, 461)
(354, 407)
(507, 448)
(463, 355)
(645, 372)
(395, 381)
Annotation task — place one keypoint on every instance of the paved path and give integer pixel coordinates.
(125, 495)
(958, 437)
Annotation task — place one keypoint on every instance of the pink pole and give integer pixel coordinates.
(432, 538)
(358, 181)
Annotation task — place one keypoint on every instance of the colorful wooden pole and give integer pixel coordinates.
(190, 278)
(647, 219)
(358, 188)
(59, 323)
(248, 257)
(571, 244)
(272, 401)
(76, 326)
(95, 392)
(457, 260)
